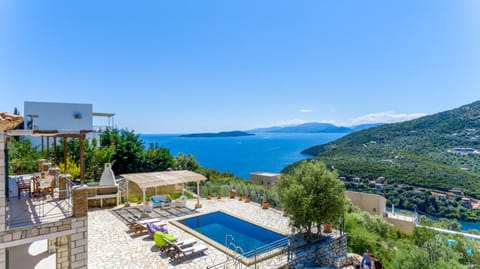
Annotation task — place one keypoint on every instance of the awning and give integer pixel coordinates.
(165, 178)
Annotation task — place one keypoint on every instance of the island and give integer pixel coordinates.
(219, 134)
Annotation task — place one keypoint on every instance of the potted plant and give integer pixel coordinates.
(148, 207)
(265, 203)
(327, 227)
(240, 197)
(232, 194)
(209, 195)
(219, 195)
(247, 196)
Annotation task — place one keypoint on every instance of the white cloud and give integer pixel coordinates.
(306, 110)
(289, 122)
(385, 117)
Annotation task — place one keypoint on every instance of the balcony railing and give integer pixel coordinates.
(269, 250)
(32, 209)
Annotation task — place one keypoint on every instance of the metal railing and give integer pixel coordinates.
(57, 205)
(236, 261)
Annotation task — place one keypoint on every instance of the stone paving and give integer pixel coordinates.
(110, 245)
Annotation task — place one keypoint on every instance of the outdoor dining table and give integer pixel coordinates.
(42, 185)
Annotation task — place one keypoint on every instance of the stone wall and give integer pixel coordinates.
(405, 226)
(68, 238)
(28, 232)
(2, 197)
(80, 202)
(3, 262)
(72, 250)
(372, 203)
(3, 173)
(79, 243)
(62, 258)
(70, 243)
(329, 252)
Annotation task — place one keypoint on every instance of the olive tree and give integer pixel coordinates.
(311, 194)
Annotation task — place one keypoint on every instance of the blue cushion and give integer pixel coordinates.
(156, 200)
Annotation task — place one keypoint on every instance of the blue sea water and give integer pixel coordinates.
(266, 152)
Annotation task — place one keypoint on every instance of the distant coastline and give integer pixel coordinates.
(219, 134)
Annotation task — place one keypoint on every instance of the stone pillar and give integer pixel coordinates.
(3, 259)
(62, 245)
(51, 245)
(46, 166)
(79, 243)
(3, 174)
(54, 171)
(62, 186)
(80, 202)
(40, 165)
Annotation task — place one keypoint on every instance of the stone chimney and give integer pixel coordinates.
(108, 177)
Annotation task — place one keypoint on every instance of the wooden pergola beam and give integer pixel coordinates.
(82, 161)
(80, 134)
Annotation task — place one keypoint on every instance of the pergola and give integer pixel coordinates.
(80, 134)
(165, 178)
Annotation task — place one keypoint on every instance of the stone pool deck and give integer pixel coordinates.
(110, 245)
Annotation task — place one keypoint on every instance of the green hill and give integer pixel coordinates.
(416, 152)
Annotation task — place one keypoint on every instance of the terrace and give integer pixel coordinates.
(112, 245)
(33, 208)
(42, 208)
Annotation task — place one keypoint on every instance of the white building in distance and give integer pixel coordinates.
(264, 178)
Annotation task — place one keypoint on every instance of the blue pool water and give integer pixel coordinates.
(228, 230)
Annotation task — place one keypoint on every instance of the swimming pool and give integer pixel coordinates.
(239, 235)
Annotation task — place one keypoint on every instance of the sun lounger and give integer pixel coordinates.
(190, 252)
(140, 226)
(152, 228)
(159, 239)
(137, 228)
(170, 251)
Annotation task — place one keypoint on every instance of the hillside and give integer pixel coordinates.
(416, 152)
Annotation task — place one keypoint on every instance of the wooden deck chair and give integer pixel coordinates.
(182, 254)
(22, 185)
(170, 251)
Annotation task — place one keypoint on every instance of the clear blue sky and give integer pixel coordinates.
(193, 66)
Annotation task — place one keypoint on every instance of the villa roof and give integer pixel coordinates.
(156, 179)
(57, 133)
(9, 121)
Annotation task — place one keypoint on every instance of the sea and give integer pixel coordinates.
(262, 152)
(242, 155)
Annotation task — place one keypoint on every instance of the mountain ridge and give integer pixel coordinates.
(416, 152)
(313, 127)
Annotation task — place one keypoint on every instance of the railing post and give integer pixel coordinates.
(80, 202)
(62, 186)
(288, 253)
